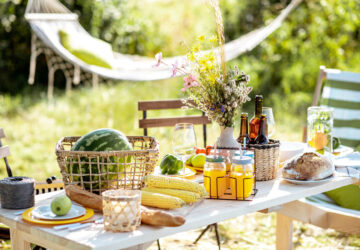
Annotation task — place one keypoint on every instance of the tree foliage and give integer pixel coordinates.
(286, 64)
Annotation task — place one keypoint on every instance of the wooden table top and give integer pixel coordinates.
(270, 194)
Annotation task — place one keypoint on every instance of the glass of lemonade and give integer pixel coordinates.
(319, 129)
(242, 177)
(214, 176)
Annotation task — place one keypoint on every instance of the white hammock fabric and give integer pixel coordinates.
(47, 17)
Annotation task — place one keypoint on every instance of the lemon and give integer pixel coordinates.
(198, 161)
(319, 140)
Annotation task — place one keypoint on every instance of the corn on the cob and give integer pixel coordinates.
(160, 200)
(187, 196)
(175, 183)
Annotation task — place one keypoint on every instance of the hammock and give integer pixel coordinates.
(47, 17)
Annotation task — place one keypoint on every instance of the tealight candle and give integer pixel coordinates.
(121, 209)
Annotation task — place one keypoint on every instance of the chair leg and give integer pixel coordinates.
(202, 233)
(284, 230)
(158, 243)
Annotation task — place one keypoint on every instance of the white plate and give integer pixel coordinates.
(44, 212)
(290, 149)
(309, 183)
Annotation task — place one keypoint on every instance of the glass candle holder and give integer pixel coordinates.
(121, 210)
(319, 129)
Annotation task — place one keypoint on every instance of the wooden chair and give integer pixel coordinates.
(146, 123)
(342, 92)
(40, 187)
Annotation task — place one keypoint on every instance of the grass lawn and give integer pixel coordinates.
(33, 126)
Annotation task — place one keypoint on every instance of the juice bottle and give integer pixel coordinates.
(214, 176)
(242, 177)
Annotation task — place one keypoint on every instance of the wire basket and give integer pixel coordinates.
(266, 158)
(101, 171)
(243, 189)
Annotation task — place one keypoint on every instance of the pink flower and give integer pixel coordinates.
(158, 58)
(189, 81)
(174, 69)
(195, 84)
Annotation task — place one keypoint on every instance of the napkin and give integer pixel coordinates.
(349, 160)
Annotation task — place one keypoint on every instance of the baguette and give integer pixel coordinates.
(83, 197)
(160, 218)
(148, 216)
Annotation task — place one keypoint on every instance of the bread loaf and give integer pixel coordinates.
(308, 166)
(148, 216)
(83, 197)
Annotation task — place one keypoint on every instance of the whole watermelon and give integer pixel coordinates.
(104, 139)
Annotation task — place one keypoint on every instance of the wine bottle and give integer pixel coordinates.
(262, 138)
(244, 132)
(255, 121)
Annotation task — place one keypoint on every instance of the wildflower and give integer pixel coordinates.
(196, 48)
(222, 109)
(201, 38)
(189, 81)
(190, 56)
(174, 68)
(158, 58)
(213, 39)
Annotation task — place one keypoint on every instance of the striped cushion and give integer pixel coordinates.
(342, 92)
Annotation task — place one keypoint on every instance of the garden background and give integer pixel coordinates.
(283, 68)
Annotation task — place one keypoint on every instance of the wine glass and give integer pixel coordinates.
(184, 141)
(270, 121)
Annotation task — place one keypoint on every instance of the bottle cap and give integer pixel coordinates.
(245, 153)
(242, 161)
(214, 158)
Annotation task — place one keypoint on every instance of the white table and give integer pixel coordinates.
(270, 194)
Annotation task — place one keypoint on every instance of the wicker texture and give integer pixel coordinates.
(266, 158)
(101, 171)
(121, 209)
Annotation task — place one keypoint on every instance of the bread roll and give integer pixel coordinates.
(308, 166)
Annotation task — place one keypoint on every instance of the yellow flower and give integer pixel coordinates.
(213, 39)
(201, 38)
(202, 61)
(196, 48)
(190, 56)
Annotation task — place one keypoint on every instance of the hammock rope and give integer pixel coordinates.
(47, 17)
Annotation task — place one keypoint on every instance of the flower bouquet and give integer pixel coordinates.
(216, 91)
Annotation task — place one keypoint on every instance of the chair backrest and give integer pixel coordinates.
(146, 123)
(341, 91)
(4, 150)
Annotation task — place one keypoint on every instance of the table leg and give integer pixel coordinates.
(17, 241)
(284, 230)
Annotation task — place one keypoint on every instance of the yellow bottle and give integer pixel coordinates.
(214, 176)
(242, 177)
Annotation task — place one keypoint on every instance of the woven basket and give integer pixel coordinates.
(101, 171)
(266, 158)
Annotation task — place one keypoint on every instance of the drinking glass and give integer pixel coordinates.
(270, 121)
(319, 129)
(184, 141)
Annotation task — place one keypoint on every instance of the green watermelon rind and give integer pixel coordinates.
(100, 140)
